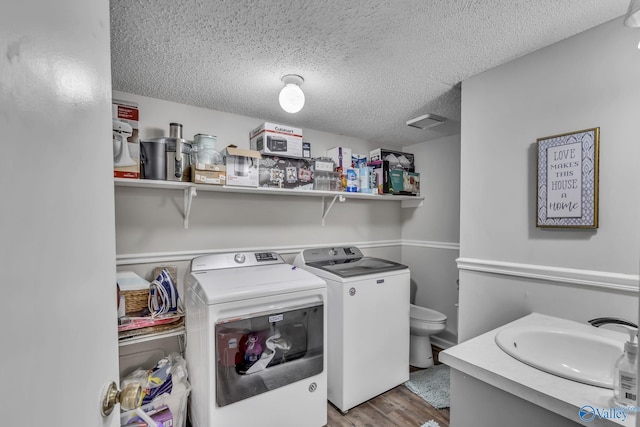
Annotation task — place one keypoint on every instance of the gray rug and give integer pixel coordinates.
(431, 384)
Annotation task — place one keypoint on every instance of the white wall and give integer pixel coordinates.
(510, 267)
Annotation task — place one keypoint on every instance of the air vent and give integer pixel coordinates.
(426, 121)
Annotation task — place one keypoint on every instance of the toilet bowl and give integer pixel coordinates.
(424, 323)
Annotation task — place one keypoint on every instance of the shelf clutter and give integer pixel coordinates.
(148, 309)
(278, 162)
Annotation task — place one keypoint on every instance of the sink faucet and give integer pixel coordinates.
(611, 320)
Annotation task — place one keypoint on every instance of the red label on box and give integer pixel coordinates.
(127, 113)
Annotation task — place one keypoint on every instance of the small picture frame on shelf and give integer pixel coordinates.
(567, 180)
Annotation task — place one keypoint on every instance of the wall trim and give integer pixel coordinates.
(163, 257)
(586, 278)
(432, 245)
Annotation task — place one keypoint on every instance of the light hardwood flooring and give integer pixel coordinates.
(398, 407)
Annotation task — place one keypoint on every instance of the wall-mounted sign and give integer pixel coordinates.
(568, 180)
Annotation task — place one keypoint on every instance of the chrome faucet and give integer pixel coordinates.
(611, 320)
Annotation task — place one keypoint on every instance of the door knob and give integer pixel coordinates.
(129, 397)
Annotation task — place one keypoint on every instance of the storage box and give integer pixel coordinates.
(209, 174)
(411, 185)
(126, 139)
(396, 181)
(242, 166)
(381, 170)
(274, 139)
(341, 156)
(286, 172)
(358, 159)
(396, 159)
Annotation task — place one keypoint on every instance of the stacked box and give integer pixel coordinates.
(126, 158)
(381, 170)
(208, 174)
(341, 156)
(277, 140)
(396, 159)
(242, 166)
(285, 172)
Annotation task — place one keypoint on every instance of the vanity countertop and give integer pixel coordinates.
(481, 358)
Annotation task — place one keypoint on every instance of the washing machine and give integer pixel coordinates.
(368, 322)
(256, 342)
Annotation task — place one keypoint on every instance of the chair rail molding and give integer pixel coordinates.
(571, 276)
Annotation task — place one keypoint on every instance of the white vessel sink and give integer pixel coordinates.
(577, 355)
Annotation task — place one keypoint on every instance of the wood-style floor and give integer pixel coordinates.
(398, 407)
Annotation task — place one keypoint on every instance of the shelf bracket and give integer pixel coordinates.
(189, 194)
(412, 203)
(326, 211)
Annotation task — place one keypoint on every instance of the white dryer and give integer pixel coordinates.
(256, 342)
(368, 322)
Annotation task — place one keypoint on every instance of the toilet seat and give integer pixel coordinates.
(426, 315)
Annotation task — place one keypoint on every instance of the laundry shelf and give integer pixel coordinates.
(190, 190)
(175, 332)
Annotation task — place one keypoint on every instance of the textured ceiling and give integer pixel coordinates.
(369, 65)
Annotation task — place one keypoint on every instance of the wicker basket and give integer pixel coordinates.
(135, 301)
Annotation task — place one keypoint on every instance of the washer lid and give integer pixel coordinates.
(354, 267)
(233, 284)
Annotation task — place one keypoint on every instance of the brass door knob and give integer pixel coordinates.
(129, 397)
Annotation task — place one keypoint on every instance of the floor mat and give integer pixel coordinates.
(431, 384)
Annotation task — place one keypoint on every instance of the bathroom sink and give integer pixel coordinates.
(577, 355)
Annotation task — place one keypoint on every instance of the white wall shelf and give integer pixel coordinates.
(191, 190)
(176, 332)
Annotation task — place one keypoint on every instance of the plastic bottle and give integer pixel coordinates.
(625, 373)
(352, 180)
(253, 350)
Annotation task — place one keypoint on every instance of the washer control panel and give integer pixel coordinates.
(237, 259)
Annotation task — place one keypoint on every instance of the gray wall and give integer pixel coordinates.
(149, 228)
(509, 267)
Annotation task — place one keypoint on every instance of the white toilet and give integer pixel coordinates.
(424, 323)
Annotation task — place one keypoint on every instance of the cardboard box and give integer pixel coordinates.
(411, 185)
(341, 156)
(306, 150)
(358, 159)
(286, 172)
(126, 155)
(277, 140)
(404, 183)
(208, 174)
(381, 170)
(396, 159)
(396, 181)
(242, 166)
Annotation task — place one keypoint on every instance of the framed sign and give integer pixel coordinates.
(568, 180)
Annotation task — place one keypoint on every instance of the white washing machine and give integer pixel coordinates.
(368, 322)
(256, 342)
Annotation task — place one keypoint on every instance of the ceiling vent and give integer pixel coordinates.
(426, 121)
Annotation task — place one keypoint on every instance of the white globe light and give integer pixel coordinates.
(291, 96)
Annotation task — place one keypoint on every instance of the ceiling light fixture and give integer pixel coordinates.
(291, 96)
(426, 121)
(632, 18)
